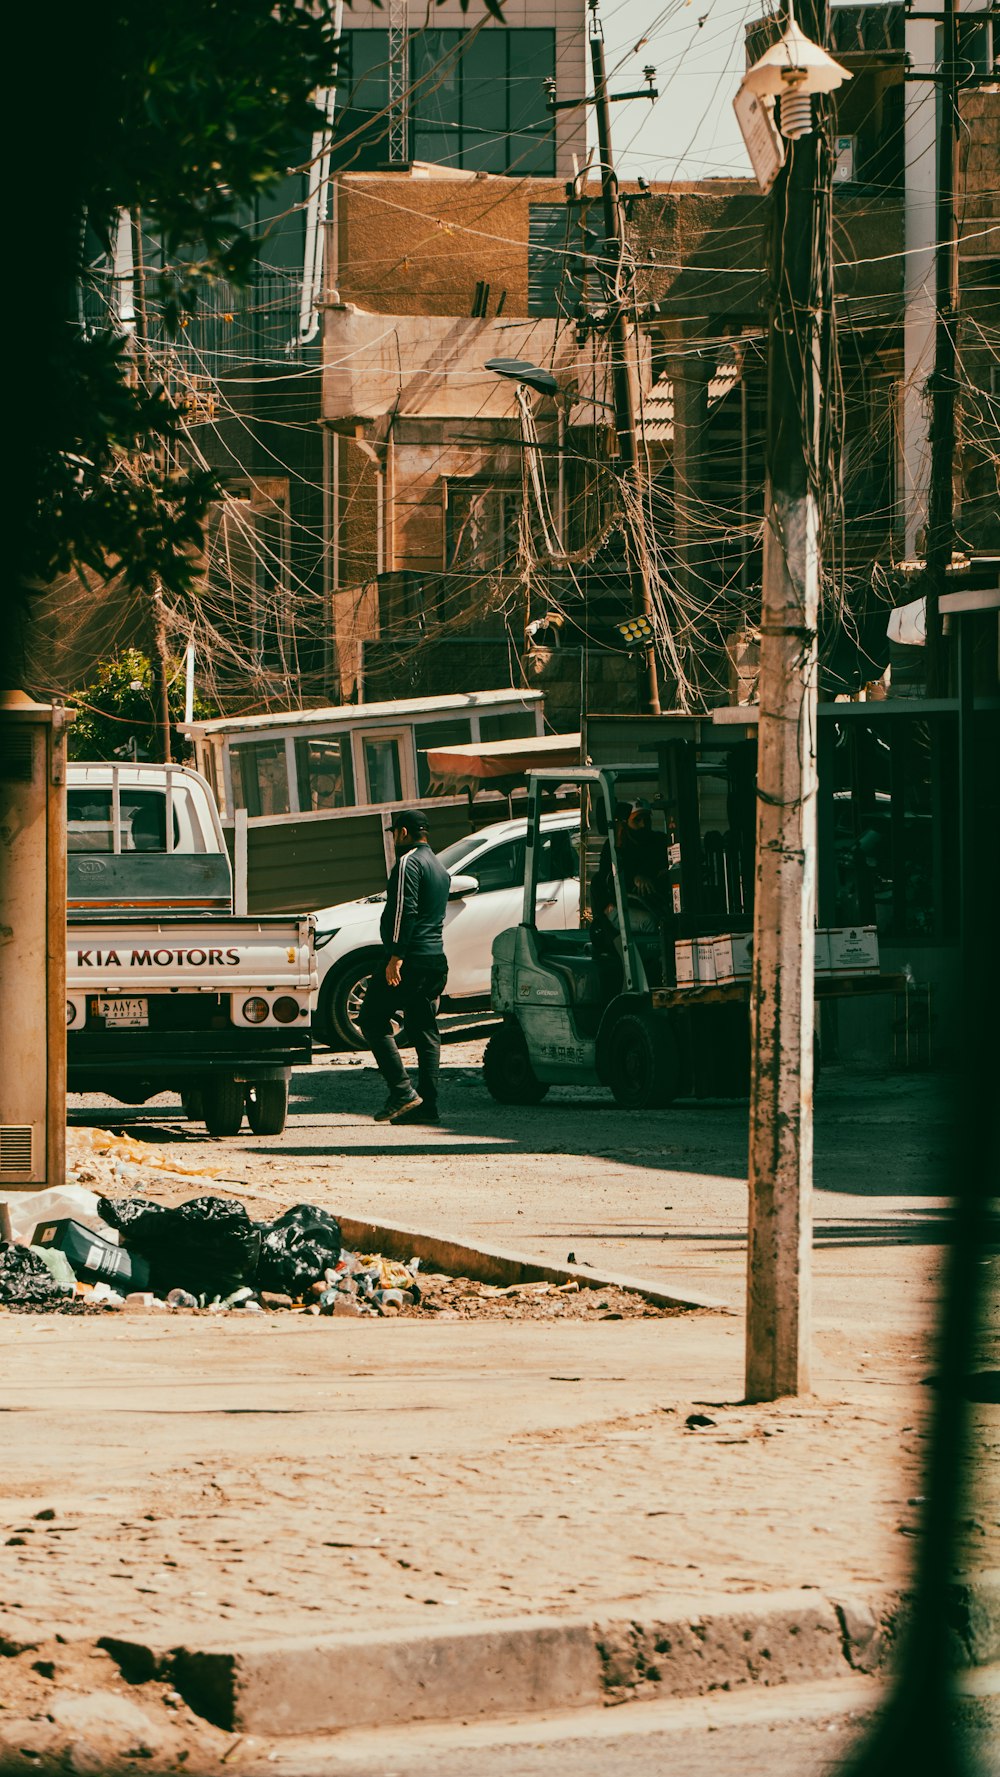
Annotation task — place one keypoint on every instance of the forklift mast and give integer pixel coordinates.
(602, 782)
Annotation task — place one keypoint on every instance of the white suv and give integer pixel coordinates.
(487, 871)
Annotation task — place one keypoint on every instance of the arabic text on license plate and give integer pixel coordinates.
(120, 1012)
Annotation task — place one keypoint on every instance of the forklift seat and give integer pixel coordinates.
(570, 956)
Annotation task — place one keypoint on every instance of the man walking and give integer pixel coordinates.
(413, 973)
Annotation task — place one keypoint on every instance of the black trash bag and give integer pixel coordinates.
(25, 1278)
(296, 1249)
(121, 1212)
(208, 1245)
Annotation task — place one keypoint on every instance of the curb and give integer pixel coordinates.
(523, 1665)
(494, 1265)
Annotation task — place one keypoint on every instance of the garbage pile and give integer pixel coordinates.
(206, 1253)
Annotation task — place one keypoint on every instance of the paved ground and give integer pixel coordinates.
(247, 1478)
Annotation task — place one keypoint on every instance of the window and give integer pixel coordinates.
(569, 257)
(437, 734)
(481, 524)
(502, 867)
(558, 857)
(382, 770)
(361, 128)
(479, 101)
(247, 597)
(324, 773)
(260, 777)
(143, 821)
(512, 725)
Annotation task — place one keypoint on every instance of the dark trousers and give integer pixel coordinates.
(417, 997)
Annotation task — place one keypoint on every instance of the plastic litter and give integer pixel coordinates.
(297, 1248)
(208, 1245)
(57, 1264)
(102, 1292)
(58, 1203)
(181, 1299)
(134, 1153)
(25, 1278)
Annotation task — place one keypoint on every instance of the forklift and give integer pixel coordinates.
(647, 1040)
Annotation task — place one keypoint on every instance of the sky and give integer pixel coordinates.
(697, 49)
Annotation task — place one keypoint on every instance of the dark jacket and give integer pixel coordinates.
(415, 906)
(643, 856)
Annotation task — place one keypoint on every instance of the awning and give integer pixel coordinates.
(494, 761)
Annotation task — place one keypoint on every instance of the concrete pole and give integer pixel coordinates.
(780, 1215)
(919, 134)
(621, 372)
(940, 504)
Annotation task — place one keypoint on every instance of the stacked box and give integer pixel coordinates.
(704, 949)
(733, 957)
(853, 950)
(685, 963)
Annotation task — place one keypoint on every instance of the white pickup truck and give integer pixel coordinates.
(167, 988)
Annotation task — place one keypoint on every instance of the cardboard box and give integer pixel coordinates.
(705, 960)
(853, 950)
(733, 957)
(685, 962)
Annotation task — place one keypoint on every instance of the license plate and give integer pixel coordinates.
(119, 1013)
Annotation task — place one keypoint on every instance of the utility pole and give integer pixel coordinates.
(623, 394)
(941, 499)
(779, 1236)
(160, 661)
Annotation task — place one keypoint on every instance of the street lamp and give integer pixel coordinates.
(521, 370)
(792, 70)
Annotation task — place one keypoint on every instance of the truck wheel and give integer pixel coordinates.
(194, 1104)
(507, 1070)
(642, 1065)
(267, 1106)
(224, 1102)
(342, 997)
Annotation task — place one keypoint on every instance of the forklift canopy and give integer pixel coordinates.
(485, 760)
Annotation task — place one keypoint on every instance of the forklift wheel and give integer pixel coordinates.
(642, 1063)
(507, 1070)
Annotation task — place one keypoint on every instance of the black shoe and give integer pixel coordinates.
(406, 1110)
(417, 1112)
(394, 1104)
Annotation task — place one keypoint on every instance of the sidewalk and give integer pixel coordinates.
(232, 1485)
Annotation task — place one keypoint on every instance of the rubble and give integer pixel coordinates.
(97, 1247)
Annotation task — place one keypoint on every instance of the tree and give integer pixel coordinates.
(182, 111)
(118, 714)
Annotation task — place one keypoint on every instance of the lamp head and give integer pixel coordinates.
(793, 70)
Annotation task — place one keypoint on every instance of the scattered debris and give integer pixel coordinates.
(125, 1253)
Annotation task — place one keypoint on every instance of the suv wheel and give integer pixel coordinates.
(342, 997)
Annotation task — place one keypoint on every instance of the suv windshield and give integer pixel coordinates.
(456, 853)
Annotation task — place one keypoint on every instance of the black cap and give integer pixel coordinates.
(413, 819)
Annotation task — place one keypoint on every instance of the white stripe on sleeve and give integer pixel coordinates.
(397, 923)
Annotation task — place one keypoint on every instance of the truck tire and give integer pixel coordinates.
(341, 998)
(224, 1102)
(642, 1063)
(507, 1070)
(267, 1106)
(194, 1104)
